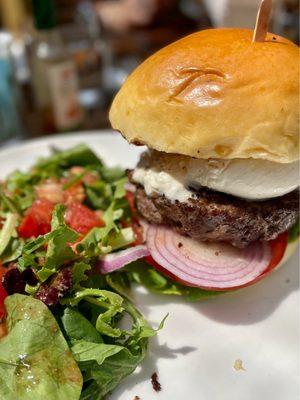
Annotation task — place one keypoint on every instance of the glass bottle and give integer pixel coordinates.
(54, 74)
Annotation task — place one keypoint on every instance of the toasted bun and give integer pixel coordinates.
(215, 94)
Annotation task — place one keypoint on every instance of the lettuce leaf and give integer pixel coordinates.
(58, 247)
(105, 353)
(58, 250)
(294, 232)
(7, 231)
(76, 327)
(35, 360)
(80, 155)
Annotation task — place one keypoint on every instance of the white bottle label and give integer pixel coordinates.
(63, 84)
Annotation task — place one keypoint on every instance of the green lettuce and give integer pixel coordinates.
(58, 247)
(78, 348)
(294, 232)
(8, 230)
(80, 155)
(104, 363)
(35, 360)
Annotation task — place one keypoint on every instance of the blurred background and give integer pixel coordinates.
(62, 61)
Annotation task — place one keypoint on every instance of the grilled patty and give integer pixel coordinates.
(214, 216)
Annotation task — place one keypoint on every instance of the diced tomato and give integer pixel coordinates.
(28, 228)
(3, 293)
(52, 190)
(81, 218)
(37, 220)
(74, 194)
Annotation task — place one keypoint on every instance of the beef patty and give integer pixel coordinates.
(214, 216)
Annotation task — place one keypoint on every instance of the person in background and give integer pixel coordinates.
(123, 14)
(181, 17)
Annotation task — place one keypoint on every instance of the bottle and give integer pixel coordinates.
(54, 74)
(10, 126)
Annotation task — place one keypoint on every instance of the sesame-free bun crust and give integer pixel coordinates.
(215, 94)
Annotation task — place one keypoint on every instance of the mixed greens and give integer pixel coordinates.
(61, 319)
(61, 316)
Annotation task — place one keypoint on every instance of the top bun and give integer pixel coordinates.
(215, 94)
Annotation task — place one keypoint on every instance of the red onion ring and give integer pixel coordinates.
(206, 265)
(115, 261)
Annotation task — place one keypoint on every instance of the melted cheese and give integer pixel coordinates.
(246, 178)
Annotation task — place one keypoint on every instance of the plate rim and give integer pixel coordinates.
(16, 146)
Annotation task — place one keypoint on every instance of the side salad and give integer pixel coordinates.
(61, 318)
(71, 247)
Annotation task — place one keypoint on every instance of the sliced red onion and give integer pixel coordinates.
(130, 187)
(114, 261)
(215, 266)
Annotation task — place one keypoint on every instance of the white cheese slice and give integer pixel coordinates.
(246, 178)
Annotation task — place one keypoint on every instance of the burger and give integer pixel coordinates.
(217, 189)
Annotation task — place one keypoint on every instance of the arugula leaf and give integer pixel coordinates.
(58, 251)
(75, 179)
(8, 203)
(79, 270)
(58, 219)
(104, 366)
(13, 250)
(103, 298)
(99, 194)
(122, 239)
(90, 351)
(102, 379)
(119, 282)
(77, 327)
(58, 247)
(120, 189)
(80, 155)
(7, 231)
(35, 361)
(98, 237)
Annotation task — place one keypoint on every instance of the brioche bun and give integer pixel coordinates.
(215, 94)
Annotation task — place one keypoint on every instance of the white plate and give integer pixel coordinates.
(194, 354)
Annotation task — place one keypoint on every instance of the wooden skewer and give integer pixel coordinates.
(262, 21)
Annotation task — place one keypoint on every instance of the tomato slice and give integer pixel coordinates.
(3, 294)
(138, 232)
(136, 226)
(82, 219)
(278, 248)
(37, 220)
(130, 197)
